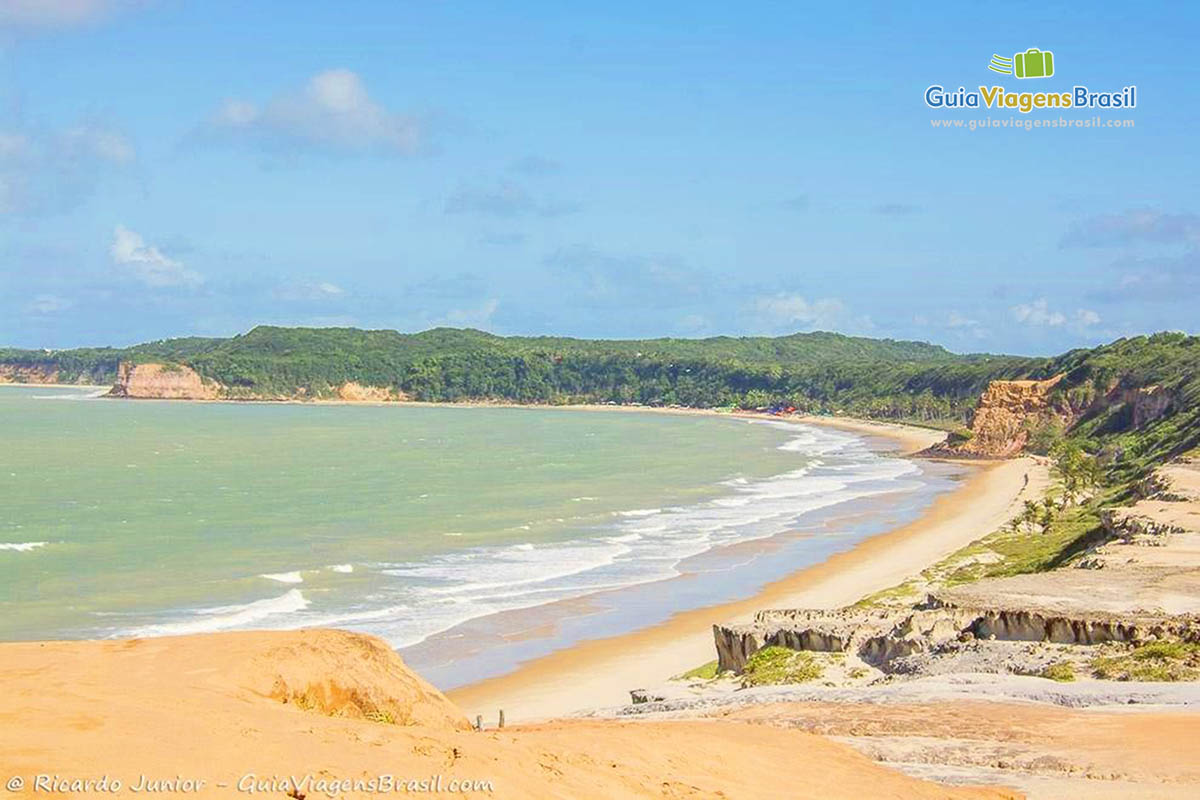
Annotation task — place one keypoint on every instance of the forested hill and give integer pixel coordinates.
(815, 372)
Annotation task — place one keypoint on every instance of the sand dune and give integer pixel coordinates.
(207, 711)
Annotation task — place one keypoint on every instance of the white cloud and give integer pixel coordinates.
(147, 263)
(957, 320)
(627, 280)
(536, 165)
(783, 309)
(471, 317)
(502, 200)
(44, 171)
(1135, 225)
(1039, 313)
(309, 290)
(57, 13)
(12, 145)
(99, 142)
(333, 110)
(48, 304)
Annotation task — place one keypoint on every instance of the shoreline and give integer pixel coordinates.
(911, 438)
(54, 385)
(604, 670)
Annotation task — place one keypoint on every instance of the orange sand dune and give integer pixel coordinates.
(202, 713)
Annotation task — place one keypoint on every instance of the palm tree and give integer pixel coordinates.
(1029, 513)
(1046, 517)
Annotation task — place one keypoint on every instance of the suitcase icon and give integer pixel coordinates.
(1034, 63)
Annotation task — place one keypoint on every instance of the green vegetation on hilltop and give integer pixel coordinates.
(814, 372)
(98, 365)
(818, 372)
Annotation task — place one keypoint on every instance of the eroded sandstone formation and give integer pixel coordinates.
(1007, 409)
(15, 373)
(1148, 403)
(1009, 412)
(162, 382)
(354, 392)
(879, 636)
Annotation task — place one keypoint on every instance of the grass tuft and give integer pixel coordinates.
(1061, 671)
(1158, 661)
(774, 665)
(704, 672)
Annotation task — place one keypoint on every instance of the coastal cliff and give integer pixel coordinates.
(34, 373)
(162, 382)
(155, 381)
(1007, 411)
(1011, 414)
(353, 392)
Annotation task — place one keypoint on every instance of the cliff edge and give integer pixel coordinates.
(162, 382)
(1007, 410)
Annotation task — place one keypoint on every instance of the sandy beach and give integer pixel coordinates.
(602, 672)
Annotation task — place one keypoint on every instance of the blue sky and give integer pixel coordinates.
(176, 167)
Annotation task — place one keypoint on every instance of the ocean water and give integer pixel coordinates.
(413, 523)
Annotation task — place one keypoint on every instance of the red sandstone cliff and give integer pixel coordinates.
(1006, 411)
(15, 373)
(1009, 411)
(162, 382)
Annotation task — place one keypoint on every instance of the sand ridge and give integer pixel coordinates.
(205, 714)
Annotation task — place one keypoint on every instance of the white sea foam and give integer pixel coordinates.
(637, 546)
(220, 618)
(345, 568)
(21, 547)
(639, 512)
(423, 597)
(76, 395)
(283, 577)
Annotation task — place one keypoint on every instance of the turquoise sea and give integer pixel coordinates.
(151, 518)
